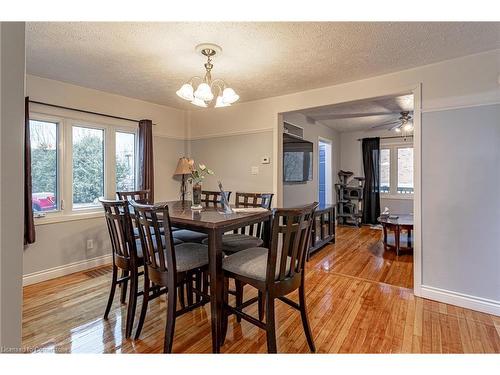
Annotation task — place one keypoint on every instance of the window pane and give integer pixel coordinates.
(43, 139)
(125, 161)
(405, 170)
(88, 166)
(385, 170)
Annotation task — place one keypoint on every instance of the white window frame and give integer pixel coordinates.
(66, 211)
(393, 171)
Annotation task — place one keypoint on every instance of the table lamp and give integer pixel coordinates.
(184, 167)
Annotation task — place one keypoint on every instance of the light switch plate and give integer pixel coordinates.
(255, 170)
(265, 160)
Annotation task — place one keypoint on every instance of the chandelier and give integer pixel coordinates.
(204, 96)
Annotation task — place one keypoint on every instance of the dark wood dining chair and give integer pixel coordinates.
(127, 257)
(213, 198)
(208, 199)
(141, 196)
(166, 265)
(246, 237)
(276, 272)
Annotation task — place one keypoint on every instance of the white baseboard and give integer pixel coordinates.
(67, 269)
(462, 300)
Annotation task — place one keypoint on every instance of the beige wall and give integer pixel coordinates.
(12, 69)
(232, 158)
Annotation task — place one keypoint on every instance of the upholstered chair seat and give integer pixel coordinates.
(234, 242)
(251, 263)
(186, 235)
(189, 256)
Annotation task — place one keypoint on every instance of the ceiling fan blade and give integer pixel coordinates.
(386, 124)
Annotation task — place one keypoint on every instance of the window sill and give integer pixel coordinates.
(400, 196)
(59, 218)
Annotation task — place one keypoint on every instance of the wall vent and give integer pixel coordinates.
(293, 130)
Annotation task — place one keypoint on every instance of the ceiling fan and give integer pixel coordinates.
(403, 124)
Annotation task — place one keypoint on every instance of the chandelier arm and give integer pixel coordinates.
(192, 79)
(219, 83)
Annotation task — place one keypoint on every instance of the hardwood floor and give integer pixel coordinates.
(353, 308)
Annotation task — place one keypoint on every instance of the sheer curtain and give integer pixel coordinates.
(371, 166)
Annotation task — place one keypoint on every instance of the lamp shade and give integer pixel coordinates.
(184, 166)
(203, 92)
(229, 96)
(186, 92)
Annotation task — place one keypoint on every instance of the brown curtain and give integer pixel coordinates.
(146, 170)
(29, 225)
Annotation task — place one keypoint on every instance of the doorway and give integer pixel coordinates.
(325, 171)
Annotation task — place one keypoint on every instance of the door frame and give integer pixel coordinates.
(329, 195)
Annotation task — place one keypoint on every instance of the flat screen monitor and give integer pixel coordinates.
(297, 159)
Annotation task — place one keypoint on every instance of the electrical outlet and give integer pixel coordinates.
(255, 170)
(90, 244)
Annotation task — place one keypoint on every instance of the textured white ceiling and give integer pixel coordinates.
(361, 115)
(149, 61)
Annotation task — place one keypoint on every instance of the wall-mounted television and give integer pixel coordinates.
(297, 159)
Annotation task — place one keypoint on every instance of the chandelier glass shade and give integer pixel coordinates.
(206, 87)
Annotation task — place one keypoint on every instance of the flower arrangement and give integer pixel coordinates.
(199, 173)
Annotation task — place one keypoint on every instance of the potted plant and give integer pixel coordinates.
(196, 178)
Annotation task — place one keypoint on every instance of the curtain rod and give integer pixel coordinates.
(84, 111)
(399, 136)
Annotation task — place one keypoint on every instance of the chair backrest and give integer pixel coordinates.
(263, 200)
(121, 234)
(290, 239)
(213, 198)
(141, 196)
(158, 250)
(254, 200)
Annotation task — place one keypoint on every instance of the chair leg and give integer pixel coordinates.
(181, 295)
(189, 288)
(124, 285)
(225, 315)
(261, 303)
(111, 292)
(205, 283)
(132, 303)
(144, 309)
(170, 326)
(305, 319)
(270, 325)
(198, 285)
(239, 297)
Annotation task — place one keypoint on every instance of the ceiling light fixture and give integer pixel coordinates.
(204, 93)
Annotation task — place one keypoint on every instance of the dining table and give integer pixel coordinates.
(214, 221)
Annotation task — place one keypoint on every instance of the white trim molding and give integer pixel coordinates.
(230, 134)
(484, 305)
(52, 273)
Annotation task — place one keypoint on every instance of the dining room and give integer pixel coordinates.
(157, 219)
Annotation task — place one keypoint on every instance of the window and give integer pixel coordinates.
(405, 170)
(44, 166)
(396, 170)
(385, 170)
(88, 166)
(72, 168)
(125, 161)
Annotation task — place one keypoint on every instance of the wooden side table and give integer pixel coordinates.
(404, 223)
(323, 230)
